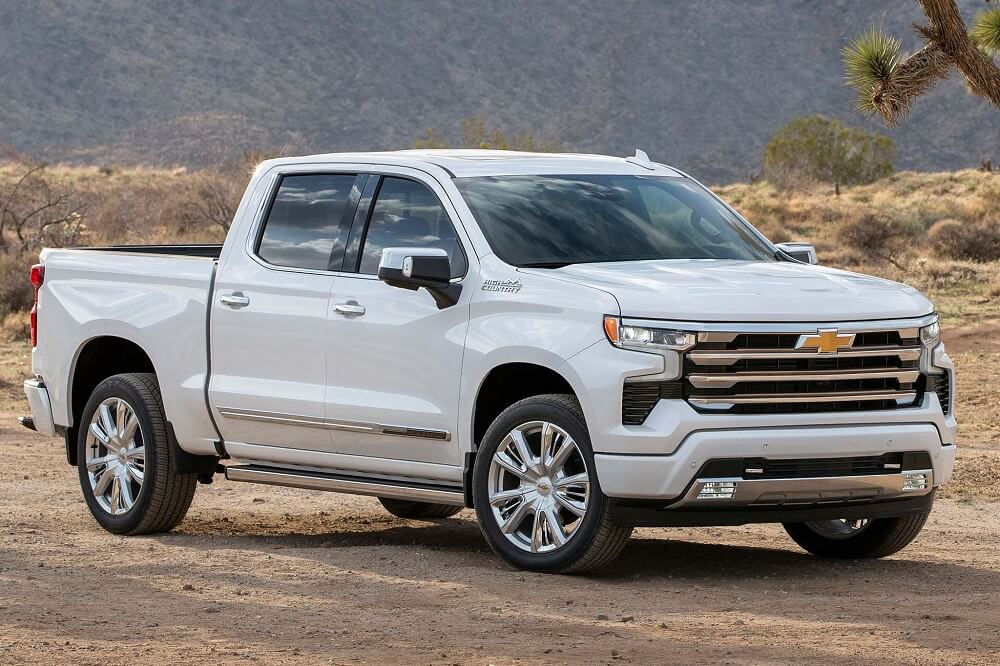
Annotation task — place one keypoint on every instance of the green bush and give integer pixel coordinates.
(825, 150)
(968, 241)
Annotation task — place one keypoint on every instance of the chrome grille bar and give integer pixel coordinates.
(901, 397)
(730, 380)
(729, 357)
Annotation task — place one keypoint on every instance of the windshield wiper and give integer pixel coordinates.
(548, 264)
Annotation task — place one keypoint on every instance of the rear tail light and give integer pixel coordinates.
(37, 278)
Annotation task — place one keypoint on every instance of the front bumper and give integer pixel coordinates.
(668, 477)
(41, 408)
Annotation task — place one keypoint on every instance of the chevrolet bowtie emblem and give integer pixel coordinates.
(827, 341)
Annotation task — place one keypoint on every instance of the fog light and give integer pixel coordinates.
(915, 480)
(717, 490)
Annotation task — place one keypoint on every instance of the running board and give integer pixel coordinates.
(338, 483)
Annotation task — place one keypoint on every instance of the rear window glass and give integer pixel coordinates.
(308, 223)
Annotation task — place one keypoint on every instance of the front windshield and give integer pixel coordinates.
(552, 221)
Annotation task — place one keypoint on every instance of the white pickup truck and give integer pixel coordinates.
(572, 345)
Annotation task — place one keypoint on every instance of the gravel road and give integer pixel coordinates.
(280, 575)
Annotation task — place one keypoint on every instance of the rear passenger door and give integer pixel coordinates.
(269, 317)
(394, 360)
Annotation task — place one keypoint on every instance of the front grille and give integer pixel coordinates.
(804, 468)
(763, 373)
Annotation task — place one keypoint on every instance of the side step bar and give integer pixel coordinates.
(417, 492)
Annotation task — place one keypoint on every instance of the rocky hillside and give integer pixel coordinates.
(698, 84)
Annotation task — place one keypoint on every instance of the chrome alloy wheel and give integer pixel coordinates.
(538, 487)
(116, 456)
(843, 528)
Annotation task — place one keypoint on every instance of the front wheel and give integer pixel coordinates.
(536, 492)
(857, 538)
(126, 471)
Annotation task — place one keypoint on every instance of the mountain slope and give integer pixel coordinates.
(700, 85)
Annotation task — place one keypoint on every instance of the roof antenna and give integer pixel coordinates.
(641, 159)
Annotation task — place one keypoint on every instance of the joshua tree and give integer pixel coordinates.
(887, 84)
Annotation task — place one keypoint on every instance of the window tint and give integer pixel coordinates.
(308, 222)
(407, 214)
(556, 220)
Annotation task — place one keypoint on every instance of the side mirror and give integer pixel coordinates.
(416, 267)
(804, 252)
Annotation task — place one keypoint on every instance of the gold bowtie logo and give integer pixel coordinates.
(827, 341)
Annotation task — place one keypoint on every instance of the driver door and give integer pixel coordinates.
(394, 359)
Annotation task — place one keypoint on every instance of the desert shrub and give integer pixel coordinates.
(16, 293)
(825, 150)
(970, 241)
(213, 197)
(15, 326)
(879, 236)
(36, 209)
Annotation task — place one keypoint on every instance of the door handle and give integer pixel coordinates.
(236, 300)
(349, 309)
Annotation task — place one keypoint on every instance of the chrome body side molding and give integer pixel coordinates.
(333, 424)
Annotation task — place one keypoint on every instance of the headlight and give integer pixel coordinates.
(641, 338)
(930, 335)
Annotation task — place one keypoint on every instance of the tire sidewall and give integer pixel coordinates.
(873, 541)
(118, 387)
(518, 414)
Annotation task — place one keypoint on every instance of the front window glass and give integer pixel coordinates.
(557, 220)
(407, 214)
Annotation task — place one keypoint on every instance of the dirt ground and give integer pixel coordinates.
(280, 575)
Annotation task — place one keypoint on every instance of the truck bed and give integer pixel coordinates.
(155, 297)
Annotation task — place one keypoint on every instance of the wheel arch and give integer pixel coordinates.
(507, 383)
(97, 359)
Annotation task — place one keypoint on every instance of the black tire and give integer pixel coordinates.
(418, 510)
(881, 537)
(165, 495)
(596, 541)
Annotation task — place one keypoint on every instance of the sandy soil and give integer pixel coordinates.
(281, 575)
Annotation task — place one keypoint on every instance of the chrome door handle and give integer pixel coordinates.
(349, 309)
(235, 300)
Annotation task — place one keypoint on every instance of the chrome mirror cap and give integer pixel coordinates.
(804, 252)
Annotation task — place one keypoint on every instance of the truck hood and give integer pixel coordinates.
(745, 291)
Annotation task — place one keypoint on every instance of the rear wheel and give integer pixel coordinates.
(418, 510)
(536, 492)
(126, 470)
(857, 538)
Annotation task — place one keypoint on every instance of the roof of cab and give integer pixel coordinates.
(464, 163)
